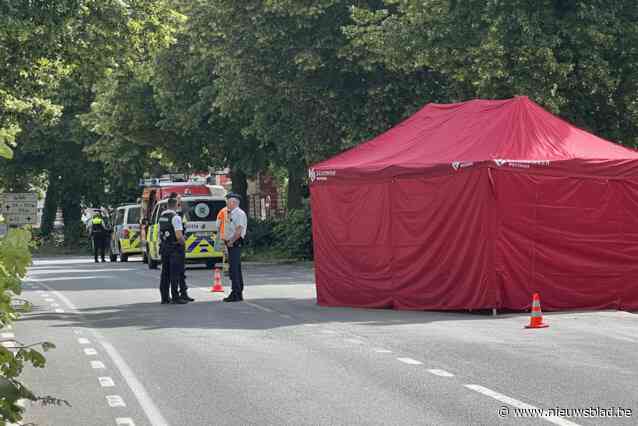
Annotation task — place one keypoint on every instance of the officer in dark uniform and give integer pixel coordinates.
(183, 288)
(171, 232)
(98, 233)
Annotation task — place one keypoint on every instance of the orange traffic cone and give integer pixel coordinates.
(536, 320)
(217, 286)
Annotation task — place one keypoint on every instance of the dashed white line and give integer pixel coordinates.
(55, 305)
(441, 373)
(285, 316)
(150, 409)
(48, 299)
(382, 351)
(354, 341)
(518, 404)
(409, 361)
(124, 421)
(106, 382)
(90, 351)
(83, 341)
(97, 365)
(115, 401)
(59, 311)
(328, 332)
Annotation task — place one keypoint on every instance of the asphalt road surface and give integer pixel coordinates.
(280, 359)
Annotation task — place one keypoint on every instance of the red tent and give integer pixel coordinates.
(477, 205)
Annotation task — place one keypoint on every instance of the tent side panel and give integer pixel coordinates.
(566, 238)
(443, 235)
(351, 234)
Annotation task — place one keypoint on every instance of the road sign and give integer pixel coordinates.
(19, 208)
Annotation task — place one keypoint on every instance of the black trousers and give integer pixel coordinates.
(183, 288)
(99, 244)
(236, 278)
(172, 273)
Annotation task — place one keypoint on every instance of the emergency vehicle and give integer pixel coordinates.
(125, 238)
(199, 215)
(158, 189)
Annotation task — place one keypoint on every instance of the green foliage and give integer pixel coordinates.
(15, 257)
(260, 234)
(294, 233)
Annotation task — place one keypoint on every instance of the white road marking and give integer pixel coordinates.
(90, 351)
(89, 277)
(55, 305)
(518, 404)
(97, 365)
(115, 401)
(7, 336)
(441, 373)
(383, 351)
(311, 325)
(328, 332)
(48, 299)
(83, 341)
(150, 409)
(106, 382)
(354, 341)
(76, 331)
(285, 316)
(409, 361)
(59, 311)
(263, 308)
(124, 421)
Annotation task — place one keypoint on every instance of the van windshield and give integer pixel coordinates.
(133, 216)
(202, 210)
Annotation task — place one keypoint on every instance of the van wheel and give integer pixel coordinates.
(124, 258)
(113, 257)
(152, 264)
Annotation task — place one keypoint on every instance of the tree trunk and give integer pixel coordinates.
(72, 213)
(240, 186)
(296, 180)
(50, 209)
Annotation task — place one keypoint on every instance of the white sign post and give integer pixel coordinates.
(20, 208)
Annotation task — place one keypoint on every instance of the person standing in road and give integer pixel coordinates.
(171, 235)
(98, 233)
(234, 233)
(183, 214)
(222, 217)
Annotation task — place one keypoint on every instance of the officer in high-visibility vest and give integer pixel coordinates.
(222, 217)
(171, 233)
(98, 233)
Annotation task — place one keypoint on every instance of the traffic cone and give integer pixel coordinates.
(217, 286)
(536, 319)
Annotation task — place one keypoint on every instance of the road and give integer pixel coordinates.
(280, 359)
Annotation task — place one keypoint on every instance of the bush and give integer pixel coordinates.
(294, 233)
(260, 234)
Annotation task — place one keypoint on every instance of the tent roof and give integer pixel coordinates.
(474, 131)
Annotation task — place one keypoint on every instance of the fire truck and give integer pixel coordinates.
(199, 229)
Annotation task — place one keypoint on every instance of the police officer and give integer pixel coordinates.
(183, 288)
(98, 233)
(234, 233)
(172, 250)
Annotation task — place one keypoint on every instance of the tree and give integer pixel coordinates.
(576, 58)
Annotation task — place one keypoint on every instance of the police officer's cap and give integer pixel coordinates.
(233, 195)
